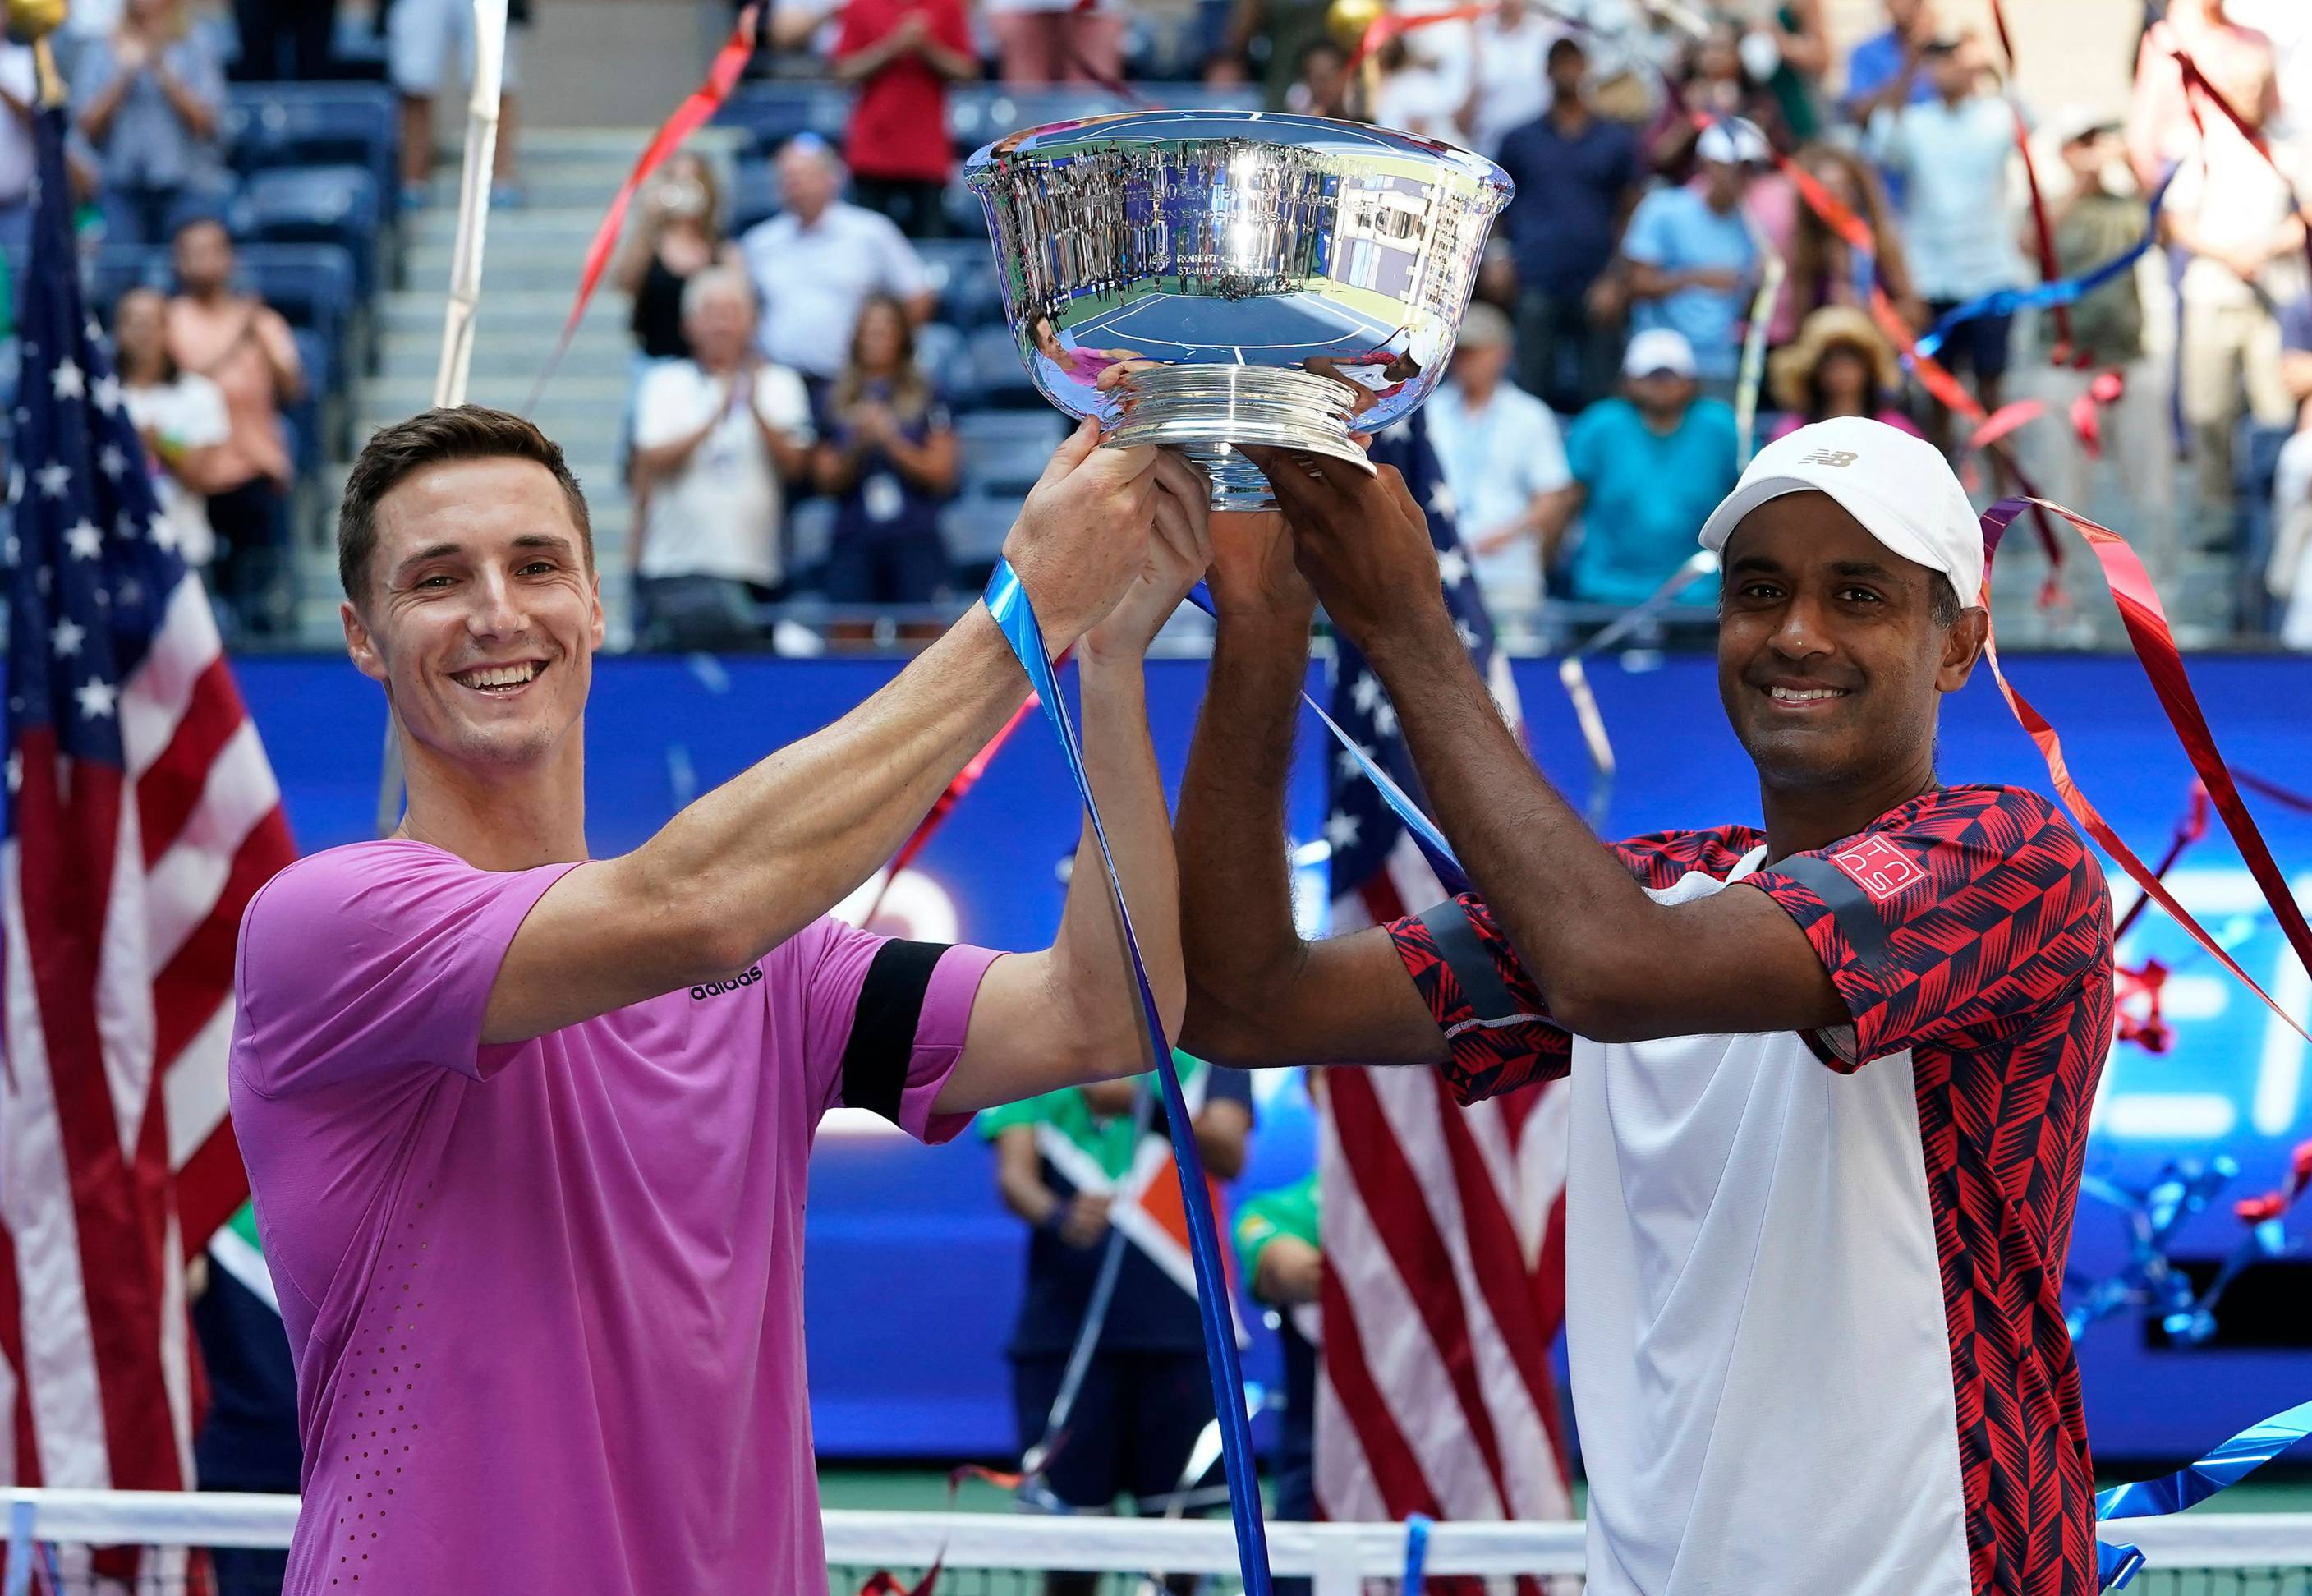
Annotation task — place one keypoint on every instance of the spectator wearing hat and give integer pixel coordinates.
(1840, 365)
(1576, 177)
(1691, 254)
(1648, 469)
(902, 54)
(1953, 153)
(1503, 459)
(815, 263)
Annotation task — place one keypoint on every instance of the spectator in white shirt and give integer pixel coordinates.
(817, 261)
(181, 417)
(1511, 71)
(1503, 457)
(715, 437)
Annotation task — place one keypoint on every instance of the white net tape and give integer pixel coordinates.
(2208, 1551)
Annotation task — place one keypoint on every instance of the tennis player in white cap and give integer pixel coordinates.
(1830, 1074)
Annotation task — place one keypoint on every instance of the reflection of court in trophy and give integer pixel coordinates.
(1206, 278)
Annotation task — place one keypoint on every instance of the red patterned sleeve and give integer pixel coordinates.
(1957, 917)
(1496, 1025)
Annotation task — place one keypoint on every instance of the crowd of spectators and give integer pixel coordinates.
(1667, 161)
(1670, 162)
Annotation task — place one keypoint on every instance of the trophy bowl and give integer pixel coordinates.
(1204, 278)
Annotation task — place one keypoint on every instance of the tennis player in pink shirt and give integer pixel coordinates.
(529, 1129)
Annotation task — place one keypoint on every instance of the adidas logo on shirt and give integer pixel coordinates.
(716, 988)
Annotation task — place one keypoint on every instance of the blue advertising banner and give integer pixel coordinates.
(883, 1212)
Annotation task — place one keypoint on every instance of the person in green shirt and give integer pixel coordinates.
(1073, 1164)
(1278, 1252)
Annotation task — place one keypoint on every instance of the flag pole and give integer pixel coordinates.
(465, 290)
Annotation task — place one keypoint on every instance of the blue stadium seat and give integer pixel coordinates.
(974, 529)
(943, 354)
(268, 125)
(754, 195)
(965, 216)
(772, 113)
(963, 273)
(313, 286)
(1003, 381)
(1004, 451)
(112, 271)
(316, 205)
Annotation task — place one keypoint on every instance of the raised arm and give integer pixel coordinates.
(753, 862)
(1073, 1014)
(1613, 964)
(1258, 994)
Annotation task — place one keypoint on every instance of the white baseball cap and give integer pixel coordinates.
(1732, 141)
(1657, 349)
(1900, 488)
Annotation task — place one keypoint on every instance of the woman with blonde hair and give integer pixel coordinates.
(1841, 364)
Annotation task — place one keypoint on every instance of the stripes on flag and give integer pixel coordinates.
(1443, 1227)
(141, 817)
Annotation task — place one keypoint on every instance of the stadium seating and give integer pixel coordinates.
(314, 287)
(973, 529)
(771, 113)
(1001, 381)
(1004, 451)
(271, 125)
(317, 204)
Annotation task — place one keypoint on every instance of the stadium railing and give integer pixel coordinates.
(1002, 1553)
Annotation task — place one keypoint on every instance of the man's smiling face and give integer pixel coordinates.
(481, 612)
(1832, 659)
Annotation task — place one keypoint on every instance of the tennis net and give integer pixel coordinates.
(128, 1543)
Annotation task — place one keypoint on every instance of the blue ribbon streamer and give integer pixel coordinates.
(1007, 600)
(2220, 1471)
(1416, 1554)
(2062, 291)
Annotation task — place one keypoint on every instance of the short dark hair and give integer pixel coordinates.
(1567, 45)
(431, 438)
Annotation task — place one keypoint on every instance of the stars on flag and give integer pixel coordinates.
(112, 461)
(54, 478)
(69, 380)
(83, 540)
(106, 394)
(1341, 829)
(1365, 692)
(1452, 567)
(66, 639)
(97, 698)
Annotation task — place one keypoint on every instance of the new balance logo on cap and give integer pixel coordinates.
(1830, 457)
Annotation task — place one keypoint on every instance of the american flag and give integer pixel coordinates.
(142, 816)
(1443, 1228)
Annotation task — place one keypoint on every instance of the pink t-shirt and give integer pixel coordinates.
(545, 1299)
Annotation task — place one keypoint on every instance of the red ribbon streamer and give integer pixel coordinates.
(2043, 229)
(1388, 26)
(692, 114)
(884, 1583)
(1931, 373)
(2196, 85)
(965, 780)
(2272, 1203)
(2163, 664)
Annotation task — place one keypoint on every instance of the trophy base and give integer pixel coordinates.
(1204, 411)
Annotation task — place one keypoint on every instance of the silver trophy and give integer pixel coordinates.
(1204, 278)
